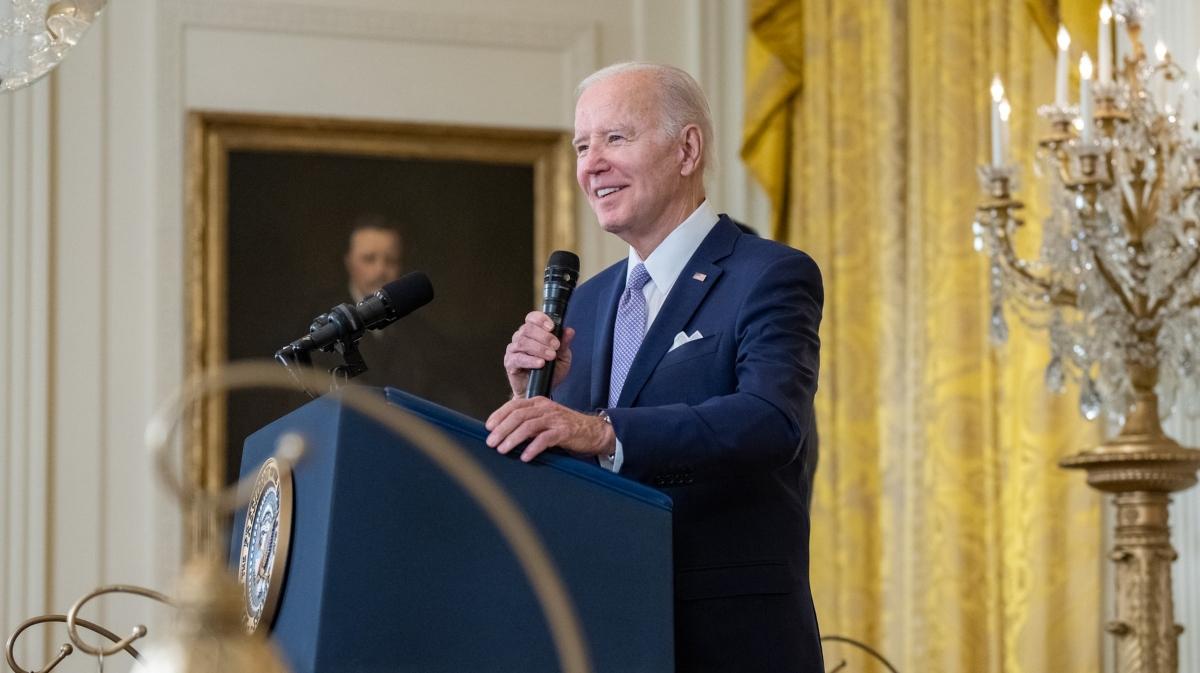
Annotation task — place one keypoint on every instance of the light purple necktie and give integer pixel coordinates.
(628, 331)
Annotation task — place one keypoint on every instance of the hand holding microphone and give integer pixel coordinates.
(537, 359)
(539, 355)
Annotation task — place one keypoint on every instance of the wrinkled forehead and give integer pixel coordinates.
(627, 100)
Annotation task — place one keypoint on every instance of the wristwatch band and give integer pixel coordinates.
(603, 415)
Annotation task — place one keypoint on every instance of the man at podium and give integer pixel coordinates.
(690, 366)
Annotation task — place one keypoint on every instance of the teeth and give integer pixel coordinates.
(606, 191)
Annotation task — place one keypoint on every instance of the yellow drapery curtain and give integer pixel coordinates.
(944, 534)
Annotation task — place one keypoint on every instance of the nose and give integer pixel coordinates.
(593, 162)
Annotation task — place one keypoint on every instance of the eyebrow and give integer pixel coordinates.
(623, 129)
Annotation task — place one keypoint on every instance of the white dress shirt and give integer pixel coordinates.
(664, 265)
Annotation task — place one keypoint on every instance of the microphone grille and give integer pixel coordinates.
(565, 259)
(408, 292)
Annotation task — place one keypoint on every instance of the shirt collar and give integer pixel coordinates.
(666, 262)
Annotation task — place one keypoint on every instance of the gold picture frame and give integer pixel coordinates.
(212, 136)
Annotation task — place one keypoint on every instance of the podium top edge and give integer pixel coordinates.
(459, 423)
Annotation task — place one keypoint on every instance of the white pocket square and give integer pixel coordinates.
(682, 338)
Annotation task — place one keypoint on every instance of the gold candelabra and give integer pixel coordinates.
(1117, 286)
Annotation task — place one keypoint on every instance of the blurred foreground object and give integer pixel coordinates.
(35, 36)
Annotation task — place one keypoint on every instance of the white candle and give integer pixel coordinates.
(1085, 96)
(1060, 74)
(997, 134)
(1105, 43)
(1005, 112)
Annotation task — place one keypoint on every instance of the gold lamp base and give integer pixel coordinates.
(1141, 470)
(1142, 462)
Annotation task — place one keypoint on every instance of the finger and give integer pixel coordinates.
(494, 419)
(543, 441)
(527, 418)
(545, 348)
(519, 363)
(539, 318)
(522, 433)
(515, 361)
(500, 414)
(535, 335)
(517, 413)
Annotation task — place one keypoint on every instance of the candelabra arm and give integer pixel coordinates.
(1127, 209)
(122, 643)
(1064, 168)
(862, 646)
(1059, 296)
(65, 650)
(1161, 302)
(1146, 215)
(1115, 284)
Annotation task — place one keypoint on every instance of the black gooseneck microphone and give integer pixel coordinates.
(562, 273)
(345, 323)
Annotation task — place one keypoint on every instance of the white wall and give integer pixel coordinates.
(92, 249)
(1177, 23)
(24, 358)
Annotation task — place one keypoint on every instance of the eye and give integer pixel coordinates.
(580, 149)
(615, 137)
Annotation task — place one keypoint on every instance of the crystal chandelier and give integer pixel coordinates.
(1115, 282)
(35, 36)
(1116, 285)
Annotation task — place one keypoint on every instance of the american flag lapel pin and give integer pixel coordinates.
(699, 276)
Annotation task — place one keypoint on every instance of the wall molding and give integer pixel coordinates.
(330, 21)
(24, 357)
(1177, 22)
(1185, 538)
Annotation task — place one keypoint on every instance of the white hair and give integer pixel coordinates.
(683, 101)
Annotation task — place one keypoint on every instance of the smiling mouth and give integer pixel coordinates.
(605, 191)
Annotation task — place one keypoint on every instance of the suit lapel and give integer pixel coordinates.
(685, 297)
(606, 315)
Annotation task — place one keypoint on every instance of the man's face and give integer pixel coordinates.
(627, 167)
(373, 259)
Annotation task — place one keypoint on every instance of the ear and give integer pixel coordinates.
(691, 149)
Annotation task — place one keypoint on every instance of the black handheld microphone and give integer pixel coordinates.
(562, 273)
(346, 323)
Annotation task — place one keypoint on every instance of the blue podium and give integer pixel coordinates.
(392, 567)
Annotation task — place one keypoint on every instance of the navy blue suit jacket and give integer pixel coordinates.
(725, 426)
